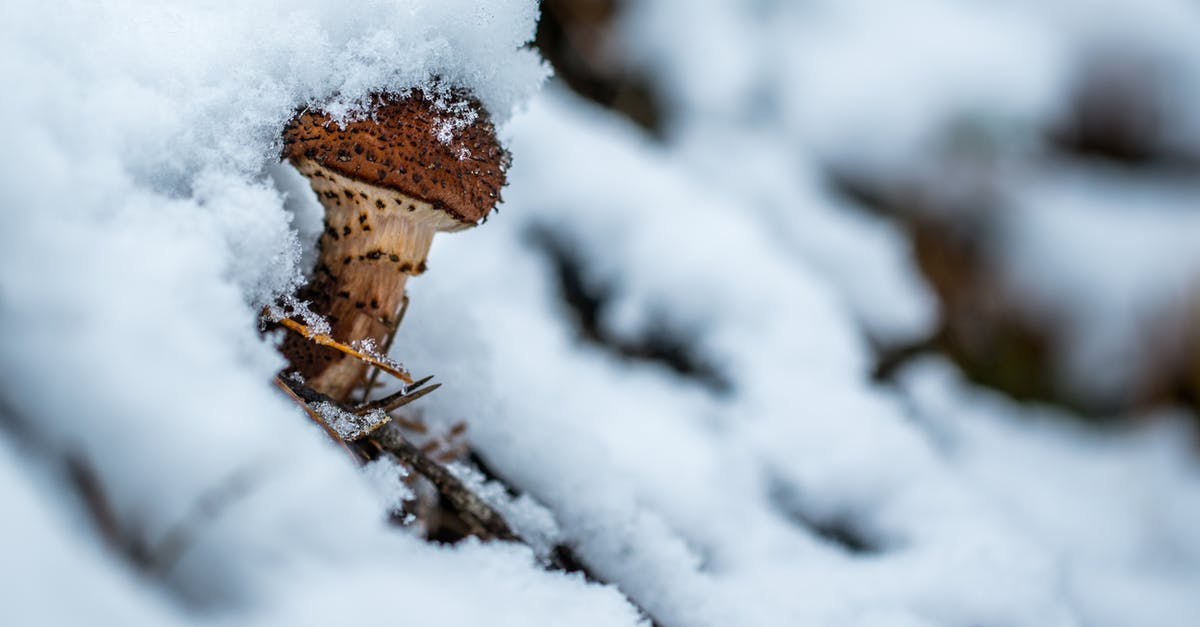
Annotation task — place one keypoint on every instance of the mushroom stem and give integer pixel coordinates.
(373, 241)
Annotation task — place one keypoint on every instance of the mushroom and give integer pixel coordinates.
(388, 182)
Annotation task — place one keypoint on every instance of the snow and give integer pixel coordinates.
(348, 425)
(529, 519)
(143, 237)
(1109, 504)
(149, 222)
(387, 476)
(1070, 238)
(703, 506)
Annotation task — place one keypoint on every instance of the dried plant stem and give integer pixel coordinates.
(95, 501)
(395, 401)
(483, 520)
(163, 556)
(312, 413)
(324, 340)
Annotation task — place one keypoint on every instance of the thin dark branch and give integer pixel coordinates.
(418, 383)
(483, 519)
(95, 501)
(397, 400)
(313, 415)
(205, 509)
(306, 394)
(563, 557)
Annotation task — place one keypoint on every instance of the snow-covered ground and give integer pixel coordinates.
(148, 221)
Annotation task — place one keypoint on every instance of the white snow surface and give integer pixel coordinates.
(142, 238)
(148, 222)
(702, 506)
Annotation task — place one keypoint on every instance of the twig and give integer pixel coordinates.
(95, 500)
(397, 400)
(157, 559)
(563, 556)
(324, 340)
(482, 518)
(175, 542)
(312, 413)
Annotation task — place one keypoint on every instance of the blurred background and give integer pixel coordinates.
(1012, 185)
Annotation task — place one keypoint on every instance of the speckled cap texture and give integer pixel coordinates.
(397, 148)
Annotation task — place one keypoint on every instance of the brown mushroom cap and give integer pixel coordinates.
(397, 149)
